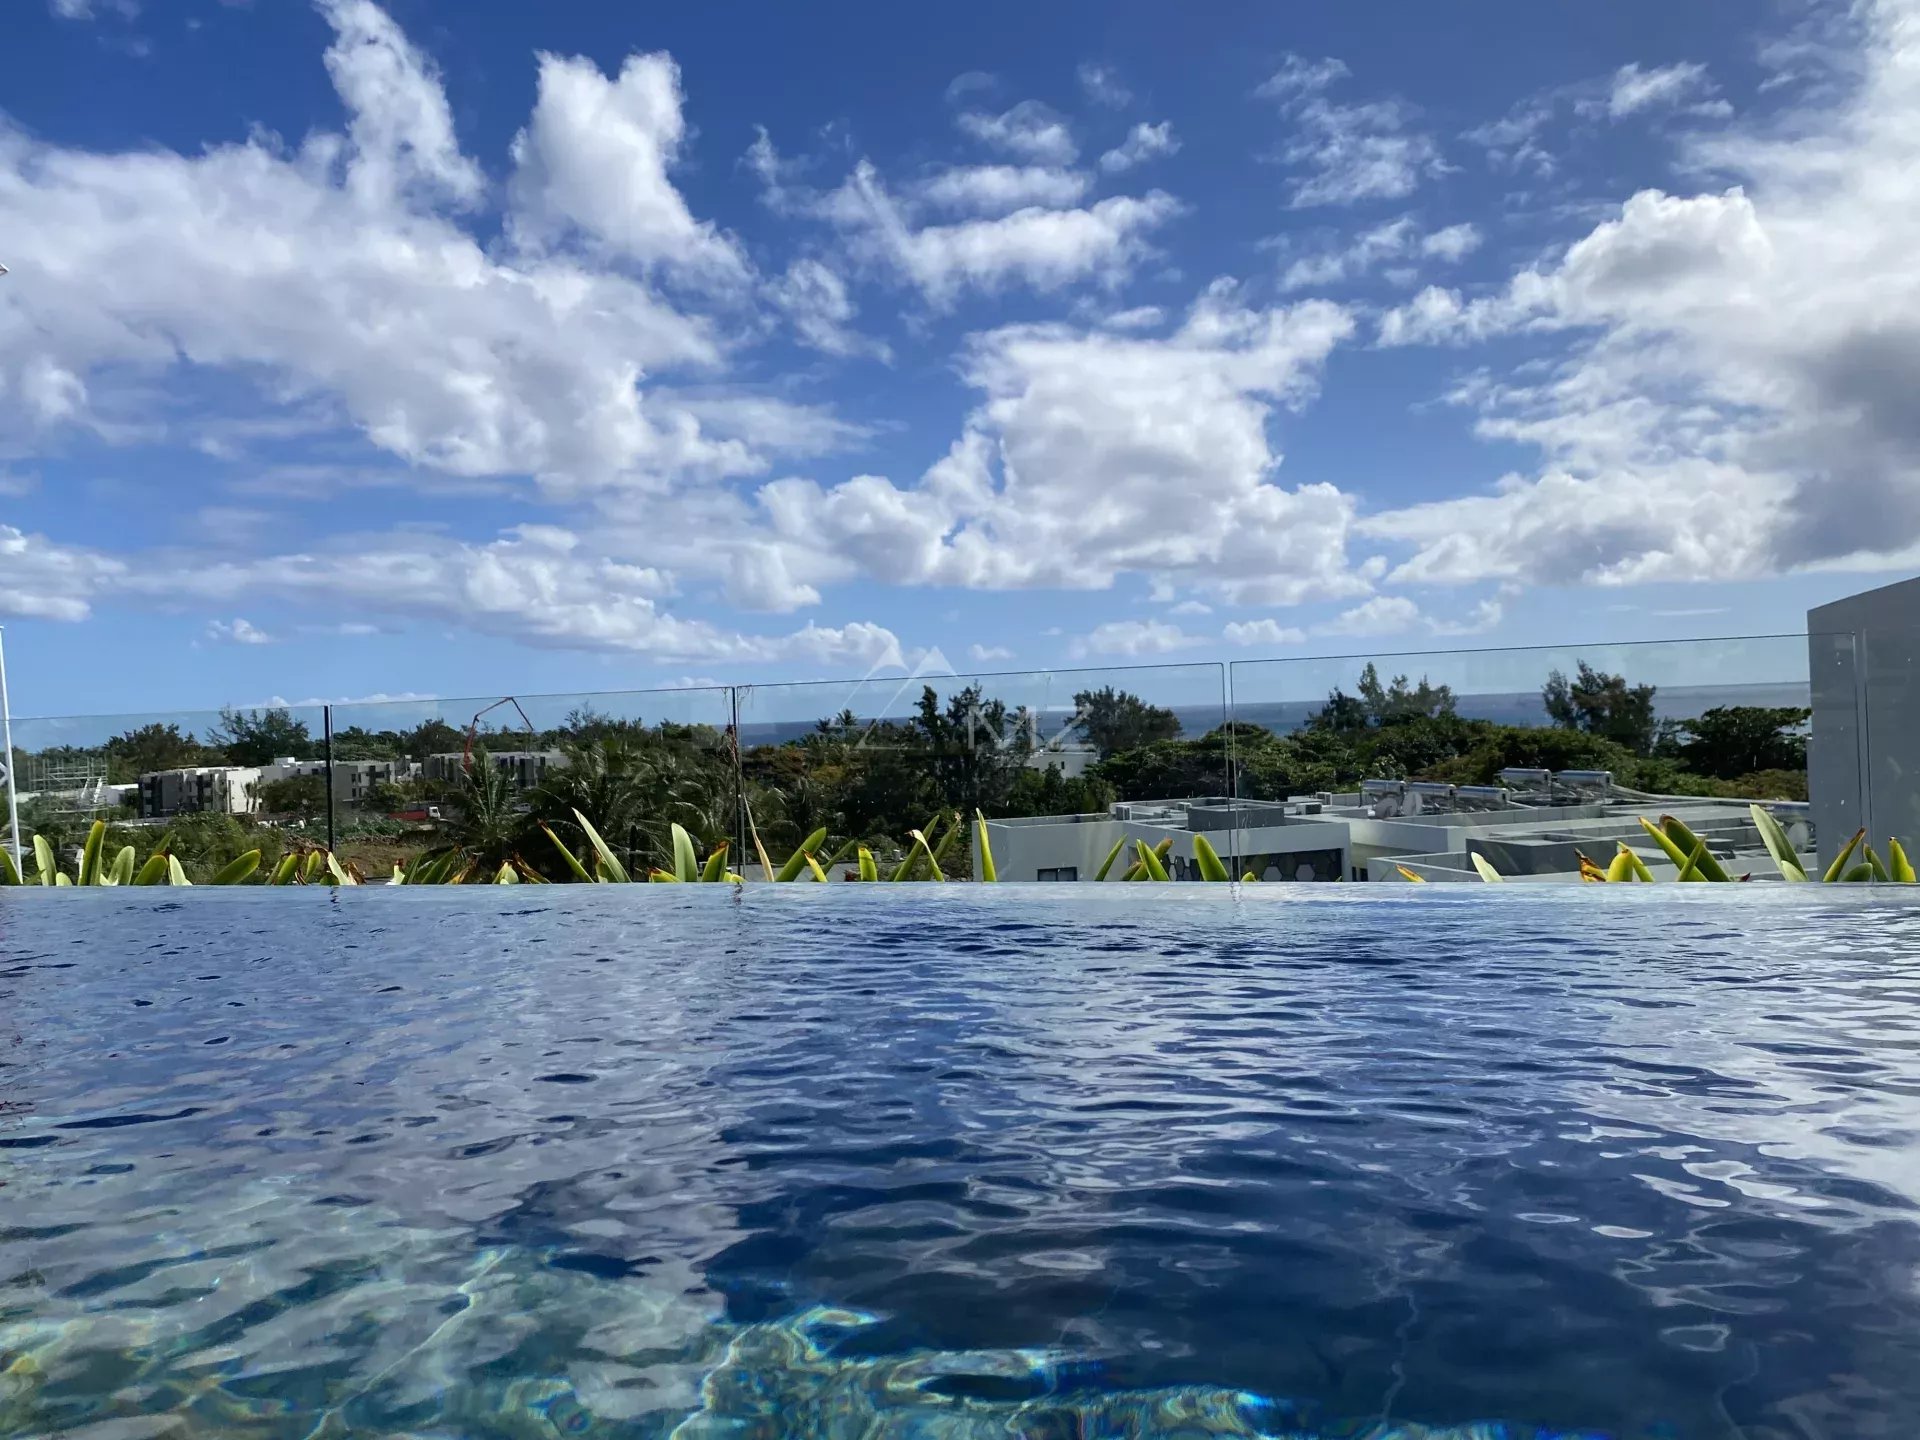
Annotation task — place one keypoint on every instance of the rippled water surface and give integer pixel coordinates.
(964, 1162)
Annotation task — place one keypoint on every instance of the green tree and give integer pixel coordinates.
(301, 796)
(1050, 792)
(1114, 720)
(259, 737)
(1734, 740)
(1602, 704)
(137, 752)
(969, 751)
(1397, 700)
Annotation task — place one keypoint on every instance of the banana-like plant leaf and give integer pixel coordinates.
(1858, 874)
(1691, 871)
(1898, 865)
(1208, 859)
(1774, 836)
(608, 859)
(716, 868)
(920, 839)
(1709, 868)
(1620, 868)
(506, 874)
(1484, 868)
(44, 860)
(1250, 878)
(573, 860)
(340, 874)
(818, 874)
(237, 869)
(1135, 871)
(310, 867)
(120, 872)
(1665, 842)
(285, 871)
(1406, 874)
(797, 861)
(60, 879)
(1838, 869)
(686, 864)
(987, 872)
(1112, 855)
(9, 872)
(1150, 861)
(176, 872)
(1873, 863)
(90, 854)
(869, 871)
(154, 872)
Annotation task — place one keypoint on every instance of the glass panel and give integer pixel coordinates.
(1046, 754)
(1532, 758)
(209, 784)
(483, 773)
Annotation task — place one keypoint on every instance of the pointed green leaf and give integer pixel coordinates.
(237, 869)
(9, 872)
(818, 874)
(60, 879)
(284, 869)
(1408, 875)
(716, 869)
(868, 870)
(920, 839)
(1838, 869)
(1664, 841)
(797, 861)
(90, 854)
(1878, 870)
(506, 874)
(1208, 859)
(1774, 836)
(154, 872)
(600, 847)
(1484, 867)
(1249, 878)
(987, 872)
(44, 860)
(1709, 867)
(1112, 855)
(686, 865)
(176, 872)
(1858, 874)
(1620, 869)
(1898, 864)
(1150, 861)
(578, 870)
(120, 872)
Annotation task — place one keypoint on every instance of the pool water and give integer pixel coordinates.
(960, 1161)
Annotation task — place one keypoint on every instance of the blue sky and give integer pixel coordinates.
(435, 349)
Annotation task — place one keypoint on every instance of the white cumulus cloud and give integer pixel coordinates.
(1143, 143)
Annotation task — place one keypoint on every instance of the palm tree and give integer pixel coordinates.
(489, 823)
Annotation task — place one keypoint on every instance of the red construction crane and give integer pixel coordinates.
(473, 725)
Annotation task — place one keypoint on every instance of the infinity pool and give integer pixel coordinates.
(961, 1161)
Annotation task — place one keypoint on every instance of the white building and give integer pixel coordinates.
(527, 767)
(1276, 841)
(1535, 829)
(219, 789)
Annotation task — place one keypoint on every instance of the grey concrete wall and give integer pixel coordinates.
(1863, 763)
